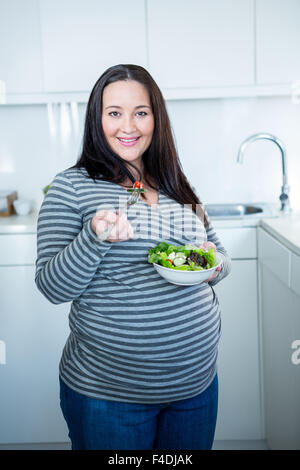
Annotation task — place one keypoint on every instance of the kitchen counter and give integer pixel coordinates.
(28, 223)
(18, 224)
(286, 229)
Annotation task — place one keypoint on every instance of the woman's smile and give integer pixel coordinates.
(128, 141)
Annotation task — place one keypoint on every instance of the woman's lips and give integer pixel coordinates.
(128, 142)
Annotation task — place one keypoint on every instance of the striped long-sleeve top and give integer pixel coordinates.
(134, 337)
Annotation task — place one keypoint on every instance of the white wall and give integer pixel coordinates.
(208, 133)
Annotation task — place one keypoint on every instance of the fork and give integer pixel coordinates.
(130, 202)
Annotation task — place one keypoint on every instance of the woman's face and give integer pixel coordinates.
(127, 119)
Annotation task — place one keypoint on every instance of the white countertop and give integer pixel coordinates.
(285, 228)
(18, 224)
(28, 223)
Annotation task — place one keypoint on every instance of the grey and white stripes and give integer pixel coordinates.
(133, 336)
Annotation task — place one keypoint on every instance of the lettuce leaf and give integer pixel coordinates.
(159, 255)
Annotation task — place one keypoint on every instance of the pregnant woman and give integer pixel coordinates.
(139, 368)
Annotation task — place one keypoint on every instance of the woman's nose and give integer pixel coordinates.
(128, 125)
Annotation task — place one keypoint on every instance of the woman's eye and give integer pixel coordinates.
(142, 113)
(114, 113)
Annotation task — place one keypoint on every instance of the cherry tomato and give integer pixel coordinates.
(138, 185)
(169, 260)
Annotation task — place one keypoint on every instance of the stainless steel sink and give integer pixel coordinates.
(240, 210)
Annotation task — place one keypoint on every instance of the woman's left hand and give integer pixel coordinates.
(205, 246)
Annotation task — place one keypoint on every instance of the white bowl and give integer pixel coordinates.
(186, 278)
(22, 206)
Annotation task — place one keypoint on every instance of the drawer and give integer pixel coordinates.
(238, 242)
(275, 256)
(295, 273)
(17, 249)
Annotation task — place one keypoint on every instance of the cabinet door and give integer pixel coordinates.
(20, 46)
(200, 43)
(281, 353)
(83, 38)
(277, 41)
(239, 414)
(34, 333)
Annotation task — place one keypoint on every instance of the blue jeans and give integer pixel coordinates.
(110, 425)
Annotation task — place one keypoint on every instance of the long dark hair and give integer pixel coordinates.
(161, 162)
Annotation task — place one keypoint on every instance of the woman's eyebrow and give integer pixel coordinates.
(143, 106)
(137, 107)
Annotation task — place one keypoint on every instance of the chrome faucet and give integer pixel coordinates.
(284, 196)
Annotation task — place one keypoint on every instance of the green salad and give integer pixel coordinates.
(183, 258)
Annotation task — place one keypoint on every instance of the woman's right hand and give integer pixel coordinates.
(121, 231)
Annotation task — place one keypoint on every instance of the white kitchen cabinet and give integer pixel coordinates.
(240, 394)
(34, 333)
(17, 249)
(82, 39)
(55, 50)
(280, 335)
(239, 242)
(20, 47)
(275, 256)
(277, 41)
(239, 412)
(200, 43)
(295, 274)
